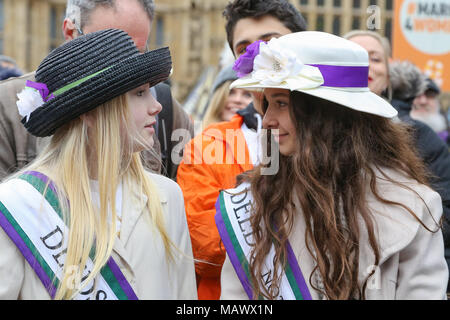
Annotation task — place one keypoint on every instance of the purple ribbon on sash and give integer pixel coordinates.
(42, 88)
(344, 76)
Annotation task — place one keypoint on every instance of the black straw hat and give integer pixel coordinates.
(89, 71)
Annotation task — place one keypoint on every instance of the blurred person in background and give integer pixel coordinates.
(8, 68)
(225, 102)
(427, 108)
(400, 88)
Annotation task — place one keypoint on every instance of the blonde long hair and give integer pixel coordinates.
(67, 162)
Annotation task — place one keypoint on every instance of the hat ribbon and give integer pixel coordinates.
(77, 83)
(35, 94)
(41, 88)
(271, 64)
(344, 76)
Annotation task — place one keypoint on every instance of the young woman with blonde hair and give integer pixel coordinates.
(225, 102)
(85, 215)
(349, 214)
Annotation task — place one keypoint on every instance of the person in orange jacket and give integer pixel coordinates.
(213, 159)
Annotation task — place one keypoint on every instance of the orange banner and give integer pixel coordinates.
(422, 36)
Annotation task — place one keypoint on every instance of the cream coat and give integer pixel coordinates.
(139, 252)
(412, 263)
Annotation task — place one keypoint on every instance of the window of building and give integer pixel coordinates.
(356, 23)
(389, 4)
(159, 32)
(320, 3)
(356, 4)
(303, 2)
(320, 23)
(388, 29)
(337, 3)
(337, 25)
(373, 2)
(305, 16)
(57, 15)
(2, 25)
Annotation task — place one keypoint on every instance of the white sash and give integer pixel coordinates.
(233, 222)
(40, 234)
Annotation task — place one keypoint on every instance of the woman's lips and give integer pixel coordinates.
(150, 127)
(280, 137)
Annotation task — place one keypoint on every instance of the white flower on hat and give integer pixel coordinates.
(276, 65)
(29, 100)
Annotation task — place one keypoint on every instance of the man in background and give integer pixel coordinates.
(18, 147)
(427, 108)
(246, 22)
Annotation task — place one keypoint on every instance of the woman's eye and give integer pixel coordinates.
(375, 59)
(241, 50)
(140, 93)
(282, 104)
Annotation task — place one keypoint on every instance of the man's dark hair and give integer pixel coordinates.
(280, 9)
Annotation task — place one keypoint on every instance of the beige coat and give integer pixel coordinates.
(412, 263)
(139, 253)
(18, 147)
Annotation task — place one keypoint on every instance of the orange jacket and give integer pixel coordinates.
(211, 162)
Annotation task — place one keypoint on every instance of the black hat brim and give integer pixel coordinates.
(151, 67)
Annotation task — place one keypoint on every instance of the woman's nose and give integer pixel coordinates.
(235, 98)
(154, 106)
(269, 120)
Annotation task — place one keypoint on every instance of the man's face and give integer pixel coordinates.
(427, 102)
(127, 15)
(249, 30)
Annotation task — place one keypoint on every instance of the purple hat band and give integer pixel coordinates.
(344, 76)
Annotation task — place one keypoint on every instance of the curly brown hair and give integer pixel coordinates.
(339, 158)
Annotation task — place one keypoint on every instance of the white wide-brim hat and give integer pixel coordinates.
(316, 63)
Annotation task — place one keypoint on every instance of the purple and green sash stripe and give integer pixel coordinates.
(231, 243)
(110, 272)
(28, 250)
(240, 262)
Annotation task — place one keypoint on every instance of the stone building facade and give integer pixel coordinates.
(193, 29)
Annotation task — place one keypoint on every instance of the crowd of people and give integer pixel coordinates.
(322, 172)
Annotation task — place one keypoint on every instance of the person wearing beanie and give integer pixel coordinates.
(6, 73)
(8, 68)
(427, 108)
(85, 220)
